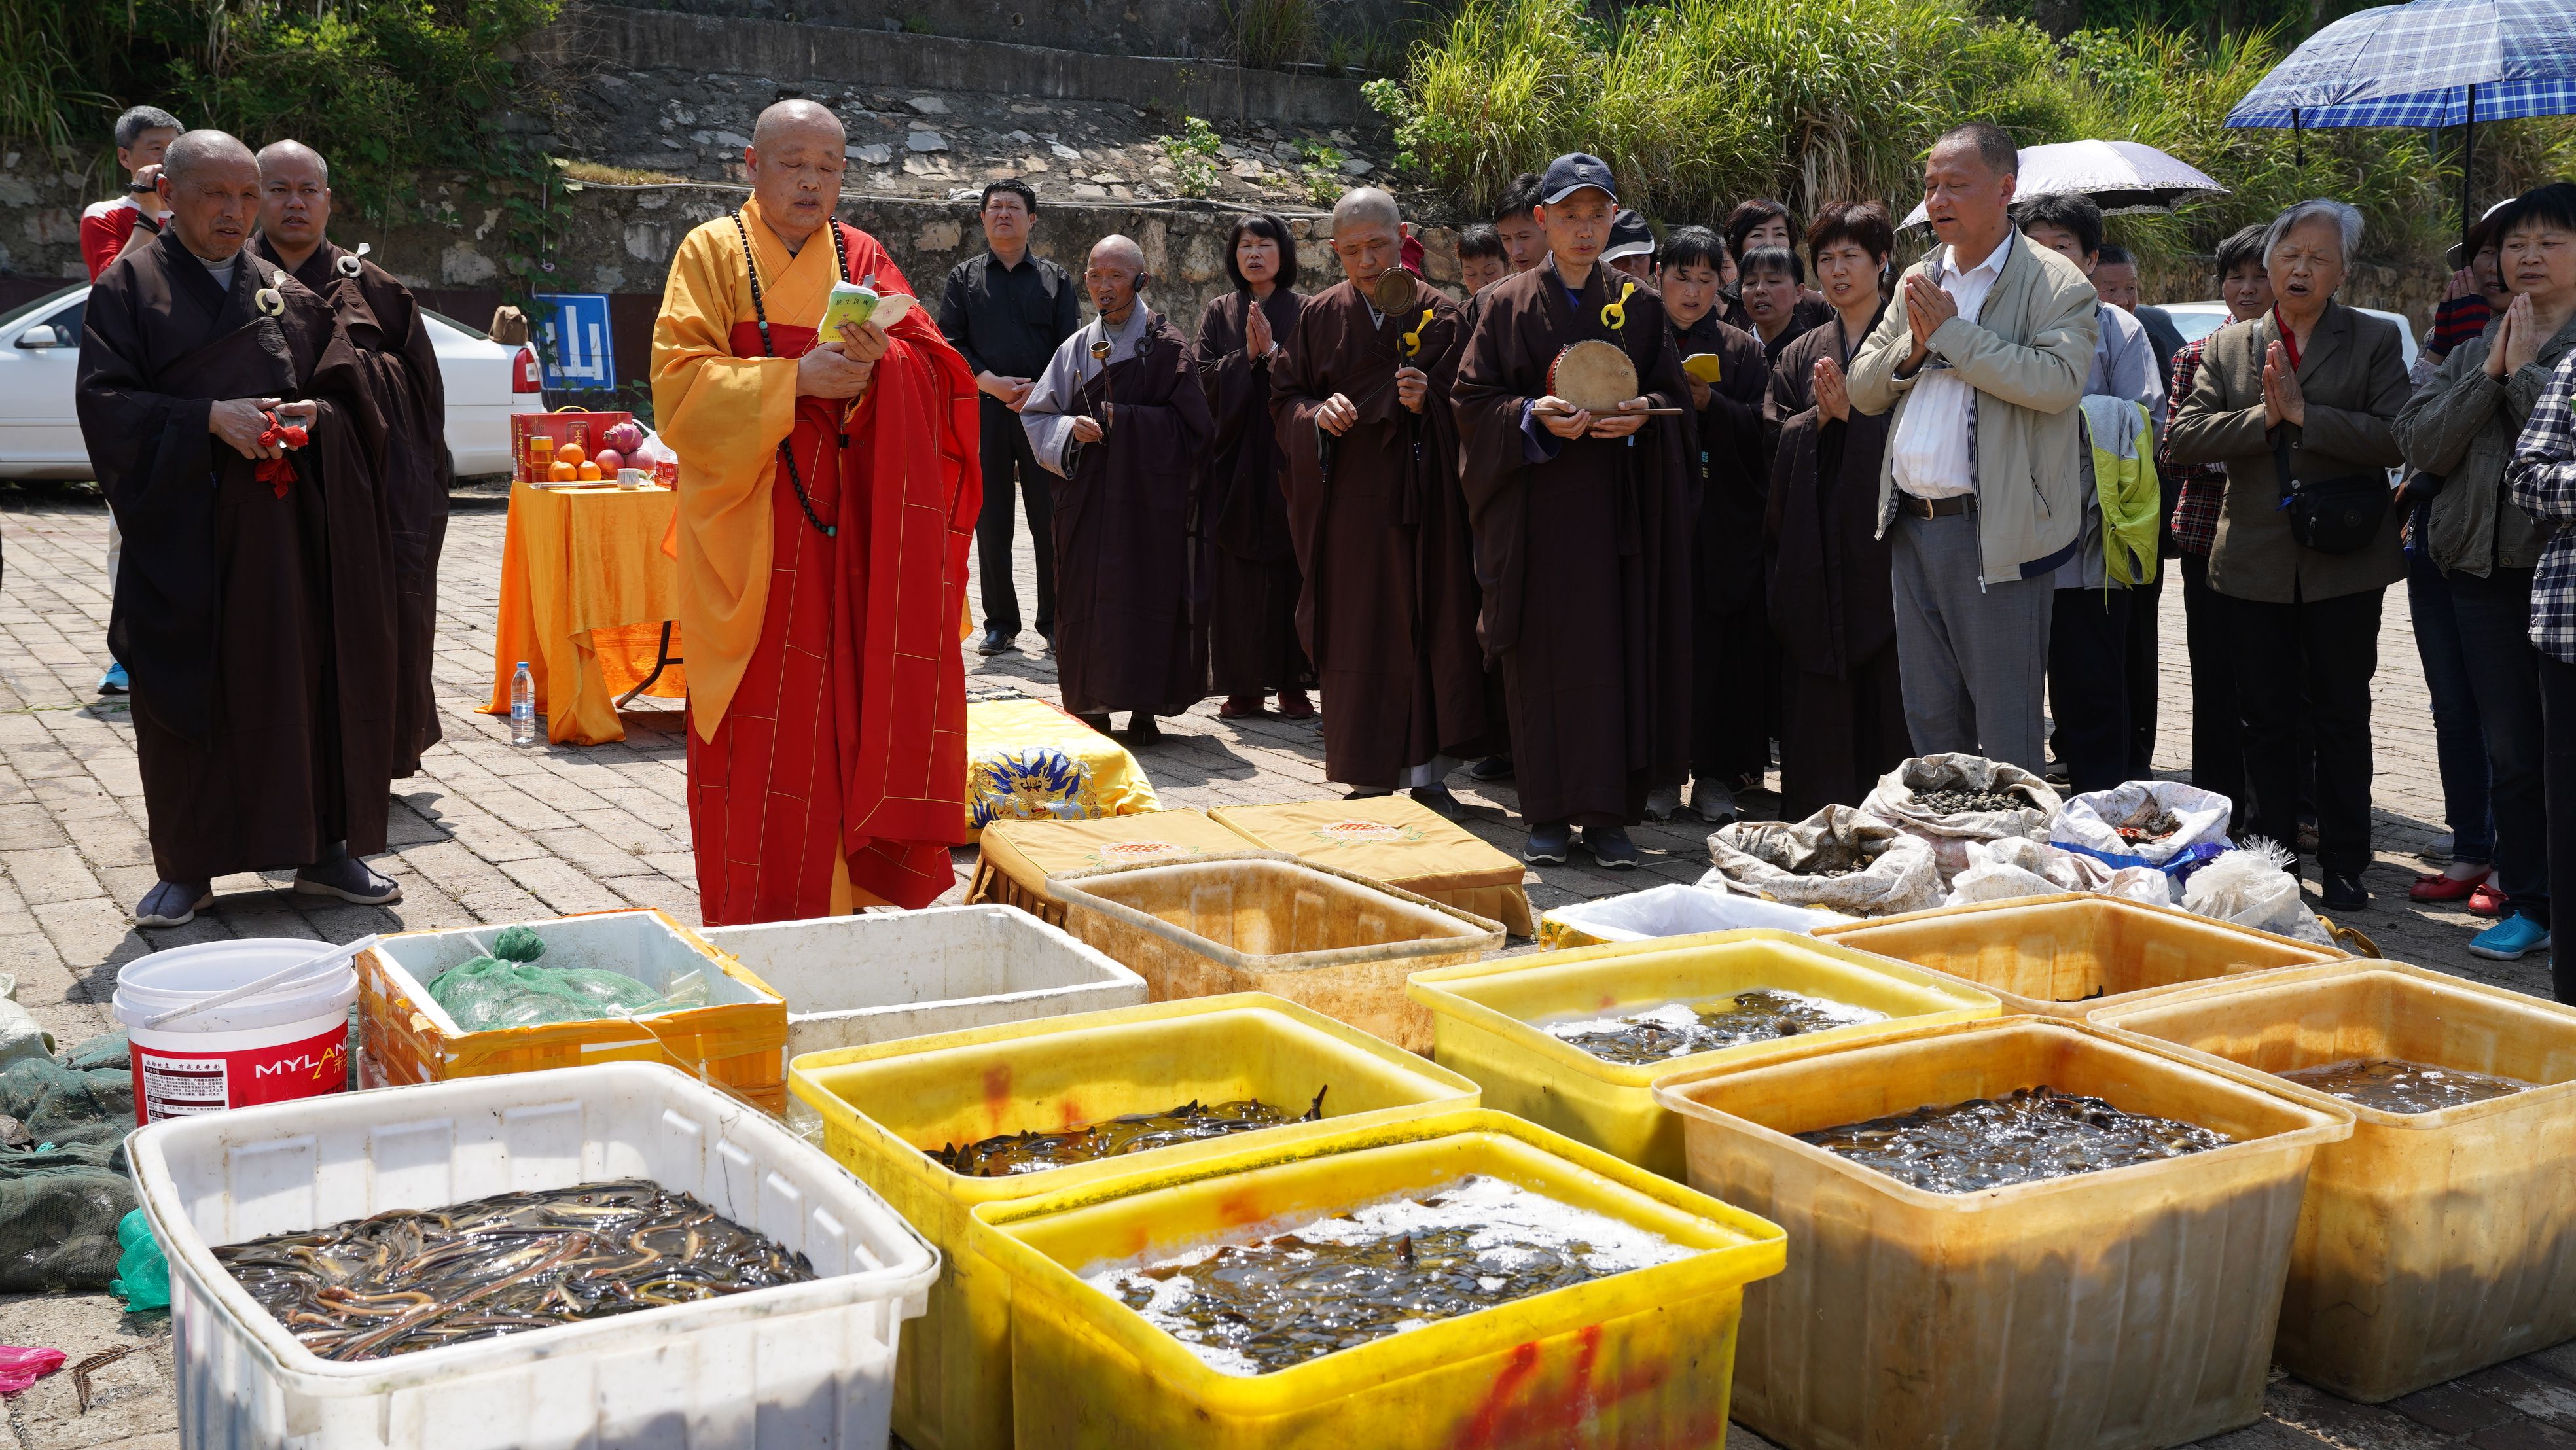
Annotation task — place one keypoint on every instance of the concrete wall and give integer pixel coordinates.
(632, 39)
(1100, 27)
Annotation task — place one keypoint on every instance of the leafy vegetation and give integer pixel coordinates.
(1193, 155)
(391, 91)
(1819, 100)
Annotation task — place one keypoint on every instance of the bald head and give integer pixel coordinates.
(197, 150)
(786, 117)
(794, 161)
(210, 182)
(1113, 277)
(294, 200)
(1366, 206)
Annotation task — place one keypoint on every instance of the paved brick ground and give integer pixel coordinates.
(489, 833)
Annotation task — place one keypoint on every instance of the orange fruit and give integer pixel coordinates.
(589, 472)
(560, 472)
(570, 453)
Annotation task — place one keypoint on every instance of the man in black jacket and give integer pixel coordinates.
(1006, 311)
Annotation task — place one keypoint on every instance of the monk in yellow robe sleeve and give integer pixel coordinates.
(828, 495)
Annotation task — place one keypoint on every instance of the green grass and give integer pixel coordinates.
(1697, 104)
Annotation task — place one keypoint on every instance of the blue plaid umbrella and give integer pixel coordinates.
(2429, 63)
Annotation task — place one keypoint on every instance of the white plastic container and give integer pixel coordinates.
(853, 980)
(286, 1042)
(800, 1365)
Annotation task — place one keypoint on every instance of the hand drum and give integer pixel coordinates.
(1593, 375)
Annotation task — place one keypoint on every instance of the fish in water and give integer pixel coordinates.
(412, 1280)
(2027, 1136)
(1035, 1152)
(2394, 1086)
(1678, 1029)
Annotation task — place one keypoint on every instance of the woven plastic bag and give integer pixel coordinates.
(2019, 866)
(2252, 886)
(1838, 859)
(1898, 799)
(2109, 826)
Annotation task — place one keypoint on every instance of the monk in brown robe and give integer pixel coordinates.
(254, 607)
(1119, 418)
(1732, 663)
(1389, 608)
(1248, 561)
(1842, 707)
(401, 367)
(1582, 526)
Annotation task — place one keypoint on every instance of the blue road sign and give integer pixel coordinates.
(578, 351)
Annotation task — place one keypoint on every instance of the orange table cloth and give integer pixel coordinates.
(585, 589)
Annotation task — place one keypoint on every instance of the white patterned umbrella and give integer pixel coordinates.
(2120, 176)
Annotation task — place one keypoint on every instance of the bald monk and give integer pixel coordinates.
(828, 495)
(254, 606)
(1388, 610)
(1119, 418)
(395, 355)
(1583, 531)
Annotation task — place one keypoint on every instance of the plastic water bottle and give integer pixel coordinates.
(523, 707)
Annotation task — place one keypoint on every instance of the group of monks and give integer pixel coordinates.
(265, 414)
(1374, 488)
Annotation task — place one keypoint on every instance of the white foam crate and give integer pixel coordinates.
(853, 980)
(798, 1365)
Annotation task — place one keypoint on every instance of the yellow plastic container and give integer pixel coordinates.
(2432, 1244)
(1481, 1016)
(2067, 955)
(883, 1104)
(1265, 921)
(2119, 1310)
(1640, 1358)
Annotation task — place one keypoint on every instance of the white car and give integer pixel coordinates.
(2195, 320)
(40, 434)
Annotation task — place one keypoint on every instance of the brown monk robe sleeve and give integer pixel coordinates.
(1496, 380)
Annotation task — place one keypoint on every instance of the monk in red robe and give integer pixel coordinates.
(828, 496)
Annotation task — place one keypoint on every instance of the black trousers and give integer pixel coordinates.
(2088, 685)
(2145, 662)
(1006, 456)
(1732, 694)
(2217, 730)
(2331, 647)
(2494, 628)
(2558, 717)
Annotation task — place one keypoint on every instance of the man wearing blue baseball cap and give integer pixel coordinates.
(1582, 528)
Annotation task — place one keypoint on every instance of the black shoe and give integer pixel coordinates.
(1492, 767)
(995, 641)
(1610, 847)
(2343, 892)
(1368, 793)
(1099, 721)
(1437, 800)
(1141, 729)
(1548, 845)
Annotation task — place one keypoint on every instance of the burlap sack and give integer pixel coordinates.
(1886, 871)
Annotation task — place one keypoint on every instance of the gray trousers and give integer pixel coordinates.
(1972, 658)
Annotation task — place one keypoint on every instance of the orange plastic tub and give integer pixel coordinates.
(2432, 1244)
(2116, 1310)
(2067, 955)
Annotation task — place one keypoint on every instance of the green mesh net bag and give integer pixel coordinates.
(507, 989)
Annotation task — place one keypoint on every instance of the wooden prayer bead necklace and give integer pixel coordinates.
(760, 313)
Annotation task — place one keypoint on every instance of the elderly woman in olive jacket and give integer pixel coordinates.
(2318, 384)
(2458, 431)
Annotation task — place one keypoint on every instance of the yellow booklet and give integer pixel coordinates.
(857, 305)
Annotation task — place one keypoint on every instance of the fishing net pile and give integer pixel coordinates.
(507, 988)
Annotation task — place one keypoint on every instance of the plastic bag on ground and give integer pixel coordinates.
(22, 1365)
(2019, 866)
(1898, 799)
(1837, 858)
(2252, 886)
(1675, 910)
(21, 1036)
(2094, 823)
(142, 1272)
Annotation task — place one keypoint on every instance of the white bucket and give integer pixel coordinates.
(287, 1041)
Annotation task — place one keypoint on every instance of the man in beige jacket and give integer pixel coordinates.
(1983, 355)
